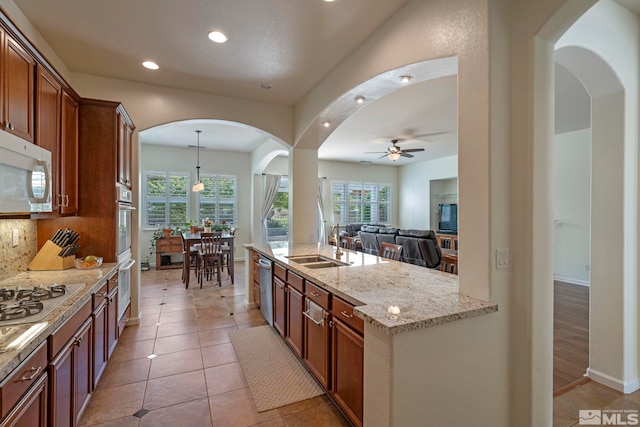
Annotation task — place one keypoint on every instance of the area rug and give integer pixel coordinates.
(276, 377)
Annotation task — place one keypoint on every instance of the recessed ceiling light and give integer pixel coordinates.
(329, 1)
(150, 65)
(266, 86)
(326, 124)
(360, 99)
(217, 37)
(405, 79)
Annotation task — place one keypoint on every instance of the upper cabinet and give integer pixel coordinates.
(17, 92)
(125, 132)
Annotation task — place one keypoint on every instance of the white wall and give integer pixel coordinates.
(173, 159)
(415, 191)
(572, 205)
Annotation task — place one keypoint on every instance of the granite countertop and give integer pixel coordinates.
(424, 297)
(11, 357)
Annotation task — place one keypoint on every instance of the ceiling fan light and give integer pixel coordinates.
(393, 156)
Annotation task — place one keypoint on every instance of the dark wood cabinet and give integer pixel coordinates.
(71, 378)
(18, 71)
(347, 357)
(295, 305)
(68, 173)
(279, 306)
(113, 331)
(99, 317)
(256, 280)
(447, 241)
(316, 348)
(125, 132)
(167, 246)
(31, 411)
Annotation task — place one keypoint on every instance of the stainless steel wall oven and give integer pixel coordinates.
(123, 247)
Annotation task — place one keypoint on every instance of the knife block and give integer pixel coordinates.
(47, 258)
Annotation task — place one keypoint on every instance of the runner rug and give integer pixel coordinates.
(276, 377)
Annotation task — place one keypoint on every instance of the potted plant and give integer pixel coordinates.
(152, 247)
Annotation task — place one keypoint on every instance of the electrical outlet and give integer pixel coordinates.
(15, 237)
(502, 258)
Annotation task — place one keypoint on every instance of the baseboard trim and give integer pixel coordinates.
(626, 387)
(570, 280)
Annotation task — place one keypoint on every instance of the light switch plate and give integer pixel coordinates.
(502, 258)
(15, 237)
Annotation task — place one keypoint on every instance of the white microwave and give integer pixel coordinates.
(25, 176)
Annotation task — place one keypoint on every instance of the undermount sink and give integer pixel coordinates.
(316, 261)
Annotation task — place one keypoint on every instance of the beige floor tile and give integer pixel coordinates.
(175, 363)
(236, 408)
(215, 336)
(149, 319)
(214, 323)
(125, 372)
(319, 416)
(132, 350)
(178, 316)
(176, 343)
(224, 378)
(113, 403)
(278, 422)
(130, 421)
(220, 354)
(303, 405)
(168, 307)
(178, 328)
(138, 333)
(151, 309)
(174, 389)
(146, 302)
(194, 413)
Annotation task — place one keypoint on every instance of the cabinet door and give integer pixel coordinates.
(279, 306)
(316, 348)
(347, 364)
(256, 293)
(82, 374)
(69, 155)
(31, 411)
(99, 341)
(61, 370)
(48, 131)
(112, 320)
(18, 92)
(295, 302)
(124, 151)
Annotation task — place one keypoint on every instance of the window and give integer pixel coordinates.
(165, 198)
(278, 219)
(362, 202)
(218, 199)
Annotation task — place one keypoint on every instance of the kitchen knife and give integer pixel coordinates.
(56, 236)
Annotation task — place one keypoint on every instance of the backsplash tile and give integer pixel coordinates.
(14, 260)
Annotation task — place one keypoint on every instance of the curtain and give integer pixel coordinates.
(321, 220)
(271, 186)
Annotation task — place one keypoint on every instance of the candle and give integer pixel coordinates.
(394, 309)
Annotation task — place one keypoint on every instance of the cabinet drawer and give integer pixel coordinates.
(344, 311)
(112, 282)
(172, 247)
(280, 271)
(16, 384)
(64, 333)
(99, 296)
(296, 281)
(256, 256)
(318, 295)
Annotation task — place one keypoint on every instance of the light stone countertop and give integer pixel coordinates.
(93, 279)
(424, 296)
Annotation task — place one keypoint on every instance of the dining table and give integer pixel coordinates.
(226, 239)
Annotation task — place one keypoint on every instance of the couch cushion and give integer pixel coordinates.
(370, 228)
(369, 242)
(425, 234)
(388, 230)
(410, 250)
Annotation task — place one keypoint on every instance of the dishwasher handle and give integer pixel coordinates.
(264, 263)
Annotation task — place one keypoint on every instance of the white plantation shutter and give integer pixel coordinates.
(362, 202)
(218, 200)
(165, 198)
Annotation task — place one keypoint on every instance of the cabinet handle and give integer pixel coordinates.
(67, 200)
(102, 294)
(331, 323)
(35, 374)
(314, 294)
(78, 342)
(345, 314)
(9, 125)
(111, 300)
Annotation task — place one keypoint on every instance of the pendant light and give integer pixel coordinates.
(198, 186)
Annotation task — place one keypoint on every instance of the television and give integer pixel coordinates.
(448, 218)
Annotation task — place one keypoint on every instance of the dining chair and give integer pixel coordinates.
(390, 251)
(226, 252)
(449, 263)
(348, 242)
(209, 257)
(189, 259)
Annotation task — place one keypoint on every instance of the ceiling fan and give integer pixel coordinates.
(394, 152)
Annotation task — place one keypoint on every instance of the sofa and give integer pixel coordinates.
(419, 247)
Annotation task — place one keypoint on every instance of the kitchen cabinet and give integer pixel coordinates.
(167, 246)
(99, 317)
(295, 305)
(256, 279)
(317, 336)
(347, 356)
(447, 241)
(279, 306)
(125, 132)
(113, 330)
(57, 131)
(71, 369)
(18, 71)
(23, 392)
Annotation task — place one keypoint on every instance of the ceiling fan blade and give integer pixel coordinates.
(405, 154)
(374, 152)
(424, 135)
(383, 156)
(412, 150)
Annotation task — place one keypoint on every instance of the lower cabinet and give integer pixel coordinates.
(348, 371)
(316, 351)
(295, 305)
(100, 356)
(279, 306)
(112, 326)
(71, 378)
(31, 411)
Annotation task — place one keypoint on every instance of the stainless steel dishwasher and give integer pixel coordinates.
(266, 288)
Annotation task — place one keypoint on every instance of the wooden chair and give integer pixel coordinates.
(226, 254)
(449, 262)
(349, 242)
(390, 251)
(209, 257)
(189, 259)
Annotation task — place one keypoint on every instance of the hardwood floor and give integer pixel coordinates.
(570, 334)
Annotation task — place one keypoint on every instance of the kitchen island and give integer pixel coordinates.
(427, 347)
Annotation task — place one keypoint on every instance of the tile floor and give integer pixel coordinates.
(195, 379)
